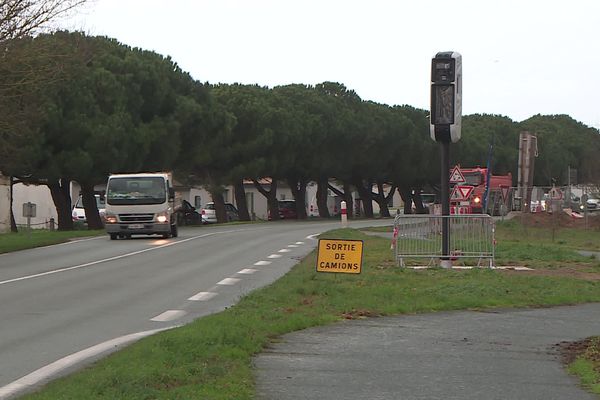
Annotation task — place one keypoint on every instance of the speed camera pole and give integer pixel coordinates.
(445, 124)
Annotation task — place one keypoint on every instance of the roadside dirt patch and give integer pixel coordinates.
(561, 219)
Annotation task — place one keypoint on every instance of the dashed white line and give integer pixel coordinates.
(284, 251)
(299, 242)
(292, 245)
(203, 296)
(228, 281)
(247, 271)
(275, 256)
(169, 315)
(259, 263)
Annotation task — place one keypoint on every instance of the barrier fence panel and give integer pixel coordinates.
(419, 237)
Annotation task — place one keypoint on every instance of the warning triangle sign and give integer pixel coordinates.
(456, 176)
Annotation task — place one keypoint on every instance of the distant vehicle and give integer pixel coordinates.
(79, 212)
(140, 204)
(287, 210)
(187, 214)
(209, 216)
(477, 177)
(593, 203)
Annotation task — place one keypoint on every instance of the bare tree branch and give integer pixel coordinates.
(20, 18)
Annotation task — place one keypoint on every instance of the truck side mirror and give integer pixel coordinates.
(171, 193)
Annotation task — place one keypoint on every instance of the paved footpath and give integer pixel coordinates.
(505, 354)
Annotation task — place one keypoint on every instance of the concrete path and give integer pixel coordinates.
(506, 354)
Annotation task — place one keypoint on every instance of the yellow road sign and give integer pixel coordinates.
(335, 255)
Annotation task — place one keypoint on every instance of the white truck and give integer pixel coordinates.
(140, 204)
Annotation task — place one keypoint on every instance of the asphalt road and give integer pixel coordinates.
(466, 355)
(66, 305)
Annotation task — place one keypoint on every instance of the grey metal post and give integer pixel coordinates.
(445, 184)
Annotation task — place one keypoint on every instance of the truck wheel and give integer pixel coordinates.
(113, 236)
(174, 232)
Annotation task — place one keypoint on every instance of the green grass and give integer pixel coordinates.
(211, 358)
(40, 237)
(587, 366)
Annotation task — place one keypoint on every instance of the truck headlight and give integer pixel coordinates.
(110, 218)
(162, 217)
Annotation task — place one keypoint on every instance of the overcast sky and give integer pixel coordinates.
(520, 58)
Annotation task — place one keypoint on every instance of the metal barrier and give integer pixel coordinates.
(419, 237)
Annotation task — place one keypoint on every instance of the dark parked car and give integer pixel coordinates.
(287, 209)
(187, 214)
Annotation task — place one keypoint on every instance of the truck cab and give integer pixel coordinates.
(140, 204)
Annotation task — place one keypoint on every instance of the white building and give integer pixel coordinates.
(4, 204)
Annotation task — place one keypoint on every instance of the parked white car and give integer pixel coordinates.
(209, 216)
(593, 203)
(79, 212)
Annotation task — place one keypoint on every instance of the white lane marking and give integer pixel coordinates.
(292, 245)
(169, 315)
(229, 281)
(44, 373)
(78, 240)
(299, 242)
(89, 264)
(275, 256)
(284, 251)
(312, 237)
(262, 263)
(247, 271)
(203, 296)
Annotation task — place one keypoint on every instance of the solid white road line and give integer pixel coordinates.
(203, 296)
(44, 373)
(89, 264)
(169, 315)
(247, 271)
(275, 256)
(259, 263)
(228, 281)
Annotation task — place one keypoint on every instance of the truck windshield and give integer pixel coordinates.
(136, 190)
(473, 178)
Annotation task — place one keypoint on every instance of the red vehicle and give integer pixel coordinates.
(476, 177)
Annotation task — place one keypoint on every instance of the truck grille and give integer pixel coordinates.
(136, 218)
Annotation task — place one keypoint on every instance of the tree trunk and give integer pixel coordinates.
(61, 195)
(346, 195)
(298, 188)
(240, 200)
(271, 195)
(366, 197)
(217, 197)
(91, 208)
(13, 223)
(419, 202)
(322, 186)
(406, 195)
(381, 200)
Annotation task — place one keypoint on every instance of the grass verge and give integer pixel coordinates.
(212, 357)
(40, 237)
(587, 364)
